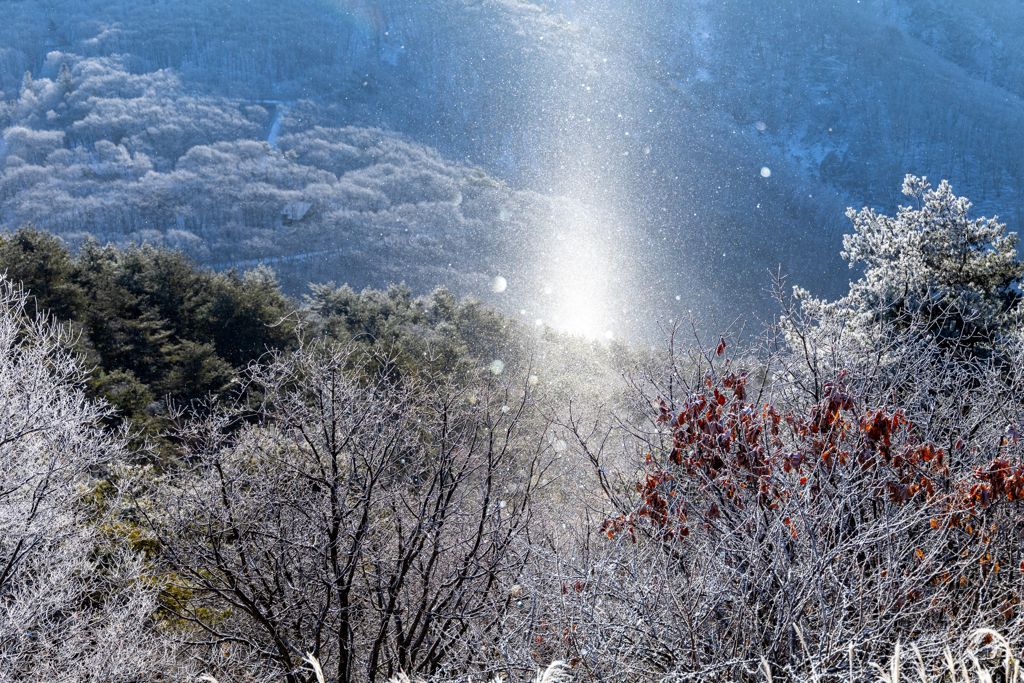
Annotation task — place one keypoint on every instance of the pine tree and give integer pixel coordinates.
(27, 83)
(65, 80)
(931, 268)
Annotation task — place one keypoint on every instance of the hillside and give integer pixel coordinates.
(622, 146)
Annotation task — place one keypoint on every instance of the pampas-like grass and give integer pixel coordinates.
(315, 664)
(557, 672)
(968, 668)
(957, 670)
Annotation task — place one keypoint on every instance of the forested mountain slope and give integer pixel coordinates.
(680, 149)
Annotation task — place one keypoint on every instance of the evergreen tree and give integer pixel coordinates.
(65, 81)
(434, 334)
(44, 266)
(152, 325)
(931, 268)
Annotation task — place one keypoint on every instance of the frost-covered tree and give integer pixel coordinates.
(931, 268)
(69, 610)
(376, 525)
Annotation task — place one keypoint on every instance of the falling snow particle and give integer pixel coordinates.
(765, 171)
(499, 284)
(497, 367)
(539, 322)
(609, 334)
(760, 125)
(559, 446)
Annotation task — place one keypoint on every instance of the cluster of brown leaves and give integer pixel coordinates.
(726, 452)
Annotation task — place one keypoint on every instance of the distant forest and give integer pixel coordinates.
(192, 173)
(342, 140)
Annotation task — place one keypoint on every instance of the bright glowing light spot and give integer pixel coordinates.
(678, 298)
(559, 446)
(497, 367)
(504, 409)
(765, 171)
(608, 334)
(647, 150)
(522, 312)
(760, 125)
(581, 279)
(547, 290)
(499, 284)
(538, 322)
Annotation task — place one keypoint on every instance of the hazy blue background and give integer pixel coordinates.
(614, 161)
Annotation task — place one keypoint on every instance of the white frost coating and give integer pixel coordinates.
(932, 264)
(52, 441)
